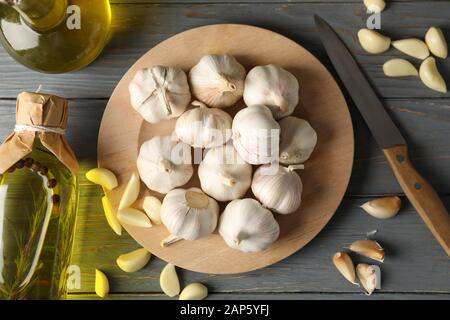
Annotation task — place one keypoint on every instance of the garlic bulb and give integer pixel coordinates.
(204, 127)
(224, 175)
(159, 93)
(164, 163)
(280, 190)
(256, 135)
(217, 80)
(273, 87)
(247, 226)
(298, 140)
(188, 214)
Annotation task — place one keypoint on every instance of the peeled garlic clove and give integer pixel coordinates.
(413, 47)
(430, 76)
(103, 177)
(101, 284)
(247, 226)
(373, 42)
(134, 217)
(189, 214)
(224, 175)
(256, 135)
(399, 68)
(367, 277)
(168, 280)
(344, 264)
(133, 261)
(204, 127)
(274, 87)
(164, 163)
(383, 208)
(159, 93)
(131, 192)
(298, 140)
(375, 5)
(111, 216)
(194, 291)
(368, 248)
(217, 80)
(152, 207)
(279, 189)
(436, 42)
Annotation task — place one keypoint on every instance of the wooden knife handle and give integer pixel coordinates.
(421, 195)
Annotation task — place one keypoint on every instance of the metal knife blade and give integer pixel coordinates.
(369, 105)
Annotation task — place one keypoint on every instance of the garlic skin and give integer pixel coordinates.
(375, 5)
(372, 41)
(412, 47)
(383, 208)
(159, 93)
(247, 226)
(164, 163)
(367, 277)
(273, 87)
(224, 175)
(189, 214)
(430, 76)
(298, 140)
(280, 191)
(399, 68)
(217, 80)
(256, 134)
(344, 265)
(435, 40)
(204, 127)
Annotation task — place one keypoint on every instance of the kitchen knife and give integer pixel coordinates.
(419, 192)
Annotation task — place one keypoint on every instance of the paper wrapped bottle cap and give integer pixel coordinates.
(40, 116)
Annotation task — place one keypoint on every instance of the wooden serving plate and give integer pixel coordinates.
(325, 177)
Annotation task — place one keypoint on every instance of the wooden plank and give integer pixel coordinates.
(248, 1)
(425, 124)
(274, 296)
(415, 262)
(138, 27)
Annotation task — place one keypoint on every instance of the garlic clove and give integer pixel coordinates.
(297, 140)
(134, 217)
(383, 208)
(399, 68)
(101, 284)
(436, 42)
(372, 41)
(367, 277)
(133, 261)
(279, 190)
(368, 248)
(218, 80)
(413, 47)
(274, 87)
(247, 226)
(103, 177)
(430, 76)
(375, 5)
(159, 93)
(194, 291)
(344, 264)
(111, 216)
(131, 192)
(152, 207)
(168, 280)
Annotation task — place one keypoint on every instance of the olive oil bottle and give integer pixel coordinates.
(38, 199)
(55, 36)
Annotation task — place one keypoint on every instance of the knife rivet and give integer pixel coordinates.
(400, 158)
(418, 186)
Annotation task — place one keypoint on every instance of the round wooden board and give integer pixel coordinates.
(327, 172)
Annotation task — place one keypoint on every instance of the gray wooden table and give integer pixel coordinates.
(415, 267)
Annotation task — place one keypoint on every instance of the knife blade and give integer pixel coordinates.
(419, 192)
